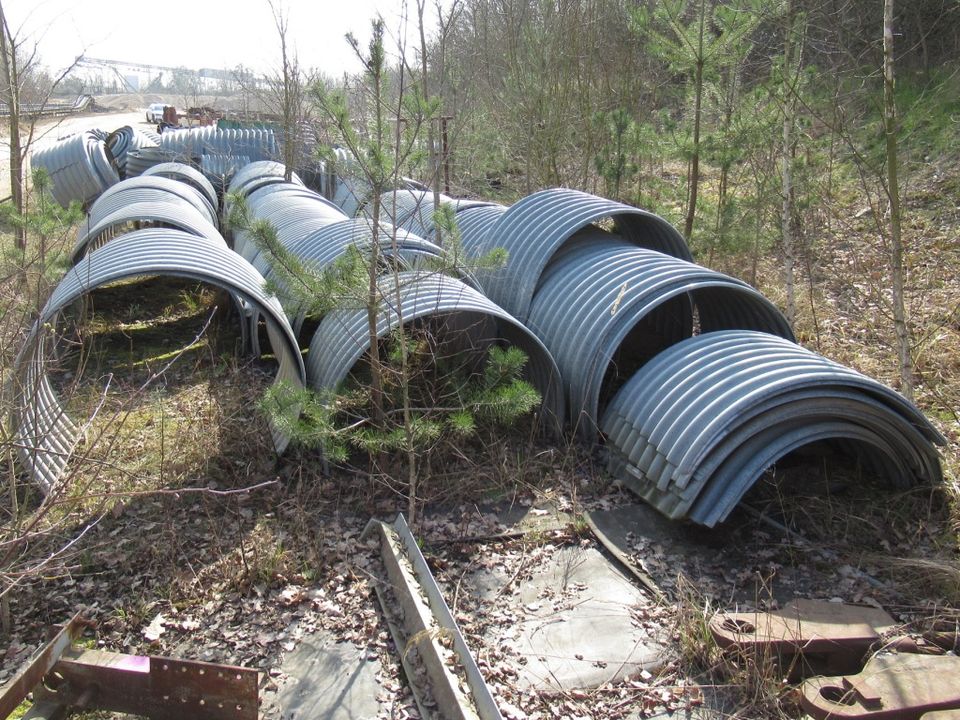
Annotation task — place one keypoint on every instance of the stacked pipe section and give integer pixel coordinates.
(317, 233)
(695, 428)
(191, 145)
(612, 293)
(80, 167)
(126, 140)
(46, 435)
(152, 200)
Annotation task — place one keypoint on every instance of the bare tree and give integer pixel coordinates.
(288, 90)
(19, 70)
(897, 271)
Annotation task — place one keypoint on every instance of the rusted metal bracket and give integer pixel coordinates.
(62, 678)
(828, 637)
(429, 626)
(894, 686)
(30, 676)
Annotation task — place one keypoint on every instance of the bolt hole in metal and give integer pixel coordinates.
(837, 695)
(739, 626)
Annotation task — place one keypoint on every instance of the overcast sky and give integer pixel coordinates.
(203, 33)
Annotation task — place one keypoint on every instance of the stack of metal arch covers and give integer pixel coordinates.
(414, 210)
(290, 209)
(191, 144)
(321, 247)
(257, 174)
(605, 307)
(46, 435)
(537, 226)
(696, 427)
(79, 167)
(140, 160)
(220, 169)
(125, 140)
(342, 337)
(154, 199)
(185, 174)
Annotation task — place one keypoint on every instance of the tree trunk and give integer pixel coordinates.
(695, 160)
(11, 96)
(786, 166)
(897, 270)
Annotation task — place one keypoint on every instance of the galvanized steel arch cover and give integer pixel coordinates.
(343, 336)
(695, 427)
(597, 290)
(534, 228)
(47, 436)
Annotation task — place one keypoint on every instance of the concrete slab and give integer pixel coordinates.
(328, 681)
(578, 624)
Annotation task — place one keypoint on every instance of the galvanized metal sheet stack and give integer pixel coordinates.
(459, 313)
(147, 200)
(537, 226)
(186, 174)
(620, 304)
(191, 144)
(80, 167)
(46, 435)
(604, 307)
(139, 161)
(125, 140)
(695, 427)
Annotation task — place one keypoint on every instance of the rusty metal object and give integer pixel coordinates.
(63, 678)
(890, 687)
(825, 636)
(157, 687)
(17, 689)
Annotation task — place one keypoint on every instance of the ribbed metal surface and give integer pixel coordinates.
(411, 210)
(284, 205)
(165, 211)
(533, 229)
(697, 425)
(147, 188)
(351, 195)
(185, 174)
(602, 300)
(138, 161)
(259, 173)
(321, 247)
(220, 169)
(475, 223)
(124, 140)
(79, 167)
(46, 434)
(343, 337)
(191, 144)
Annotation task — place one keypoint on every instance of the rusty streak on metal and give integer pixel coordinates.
(16, 691)
(157, 687)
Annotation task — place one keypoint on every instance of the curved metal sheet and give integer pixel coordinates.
(715, 410)
(191, 144)
(258, 173)
(124, 140)
(474, 224)
(186, 174)
(147, 188)
(343, 335)
(220, 169)
(46, 435)
(79, 167)
(167, 212)
(138, 161)
(537, 226)
(323, 246)
(594, 295)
